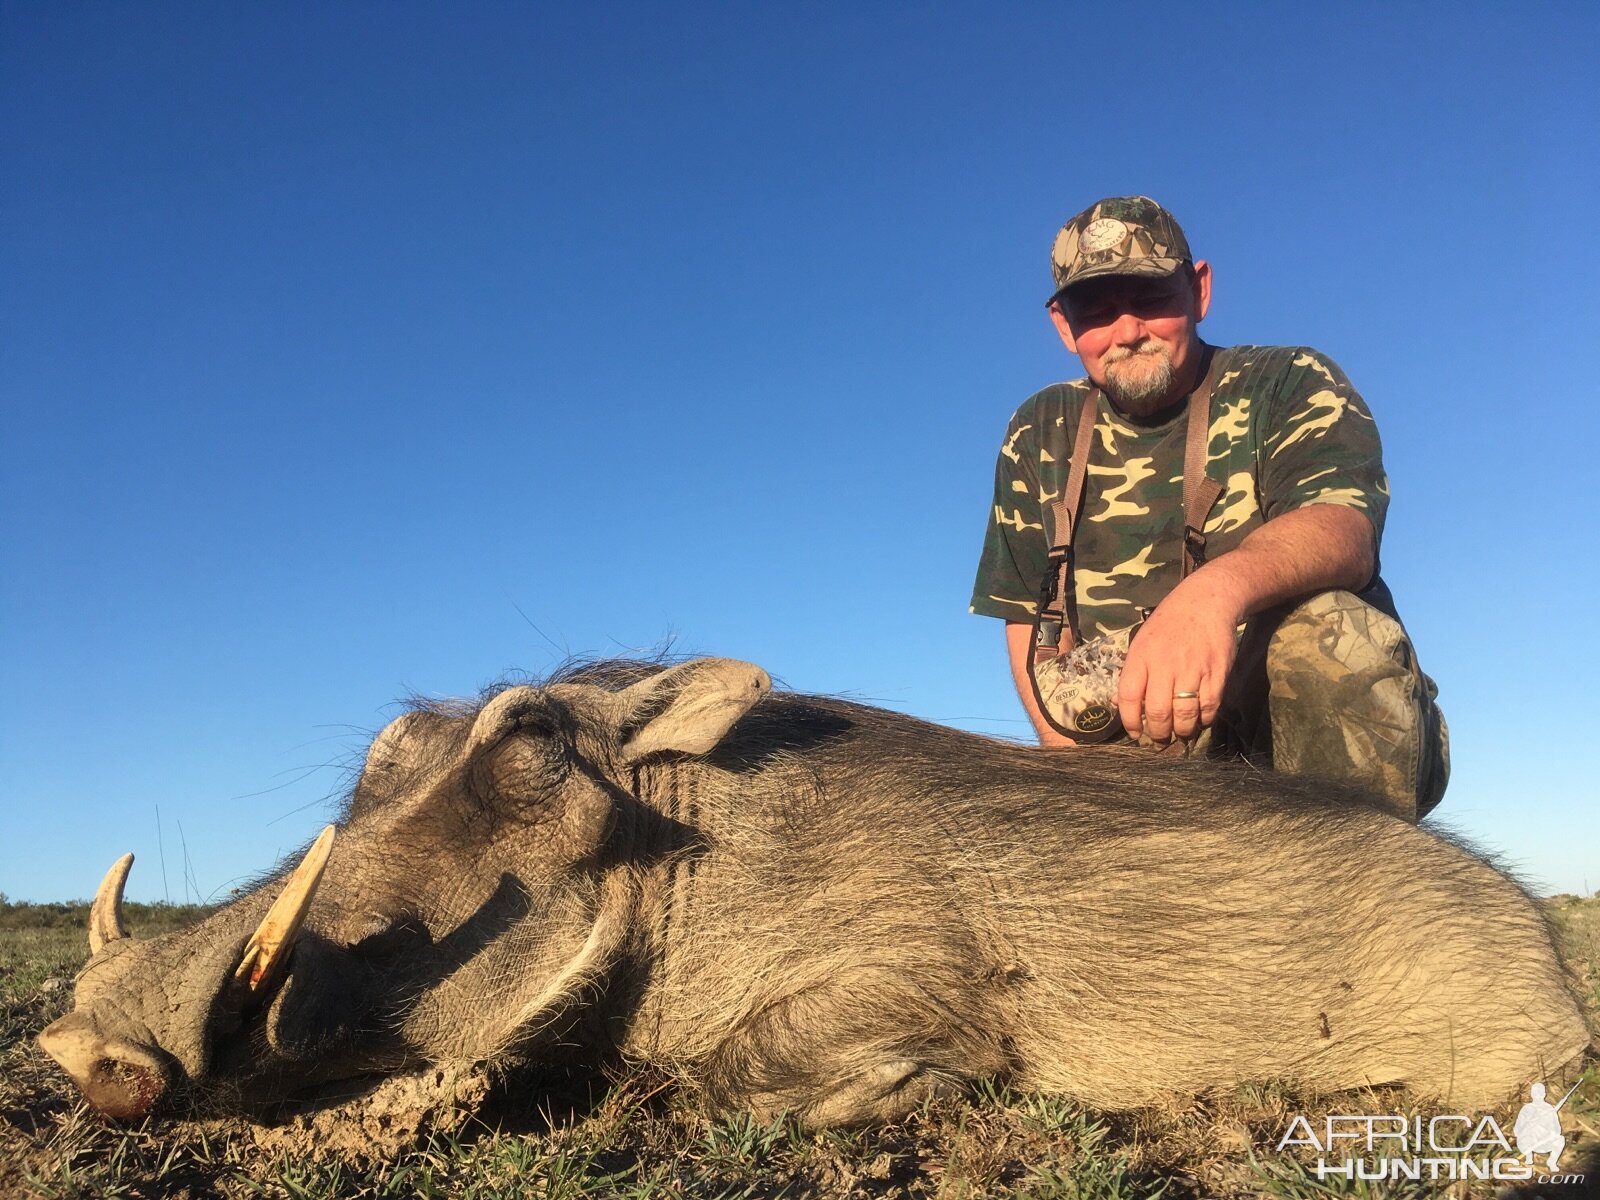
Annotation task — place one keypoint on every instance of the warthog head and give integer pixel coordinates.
(463, 906)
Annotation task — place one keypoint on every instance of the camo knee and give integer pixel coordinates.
(1348, 702)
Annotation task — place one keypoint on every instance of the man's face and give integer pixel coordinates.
(1137, 335)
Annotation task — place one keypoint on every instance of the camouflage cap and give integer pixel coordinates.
(1121, 235)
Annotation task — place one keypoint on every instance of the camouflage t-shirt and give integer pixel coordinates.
(1287, 430)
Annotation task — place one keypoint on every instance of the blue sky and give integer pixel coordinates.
(357, 351)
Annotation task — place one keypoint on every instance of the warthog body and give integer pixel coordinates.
(809, 904)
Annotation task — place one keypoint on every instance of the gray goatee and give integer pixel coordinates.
(1150, 381)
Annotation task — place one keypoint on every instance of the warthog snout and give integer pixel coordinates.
(119, 1079)
(122, 1078)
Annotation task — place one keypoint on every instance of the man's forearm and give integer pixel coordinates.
(1189, 641)
(1019, 636)
(1311, 549)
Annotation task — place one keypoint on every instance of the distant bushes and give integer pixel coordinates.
(143, 919)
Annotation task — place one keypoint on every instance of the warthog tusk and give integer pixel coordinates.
(105, 916)
(268, 948)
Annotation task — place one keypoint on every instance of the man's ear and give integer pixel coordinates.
(1202, 289)
(689, 708)
(1059, 320)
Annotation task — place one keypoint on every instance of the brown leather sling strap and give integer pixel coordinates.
(1200, 491)
(1058, 604)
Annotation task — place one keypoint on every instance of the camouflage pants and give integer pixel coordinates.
(1331, 687)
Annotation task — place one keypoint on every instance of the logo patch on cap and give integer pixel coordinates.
(1101, 235)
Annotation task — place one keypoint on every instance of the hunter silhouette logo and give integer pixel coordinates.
(1538, 1127)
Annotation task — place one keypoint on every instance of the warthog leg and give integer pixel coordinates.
(879, 1093)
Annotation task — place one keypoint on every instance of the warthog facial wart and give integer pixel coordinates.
(793, 902)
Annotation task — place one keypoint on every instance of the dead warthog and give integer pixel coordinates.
(814, 905)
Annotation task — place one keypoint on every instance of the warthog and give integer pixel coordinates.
(820, 906)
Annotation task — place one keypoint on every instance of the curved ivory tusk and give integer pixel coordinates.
(268, 949)
(105, 915)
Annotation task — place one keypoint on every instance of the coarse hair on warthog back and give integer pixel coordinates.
(795, 902)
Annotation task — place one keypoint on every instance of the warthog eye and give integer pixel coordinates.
(523, 767)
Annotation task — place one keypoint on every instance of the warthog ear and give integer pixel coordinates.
(399, 742)
(409, 748)
(688, 709)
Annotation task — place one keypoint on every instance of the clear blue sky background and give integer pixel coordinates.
(359, 350)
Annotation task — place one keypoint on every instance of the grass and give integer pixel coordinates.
(639, 1137)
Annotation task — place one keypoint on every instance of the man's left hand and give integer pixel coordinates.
(1176, 667)
(1172, 679)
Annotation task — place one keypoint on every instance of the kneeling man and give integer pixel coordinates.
(1262, 627)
